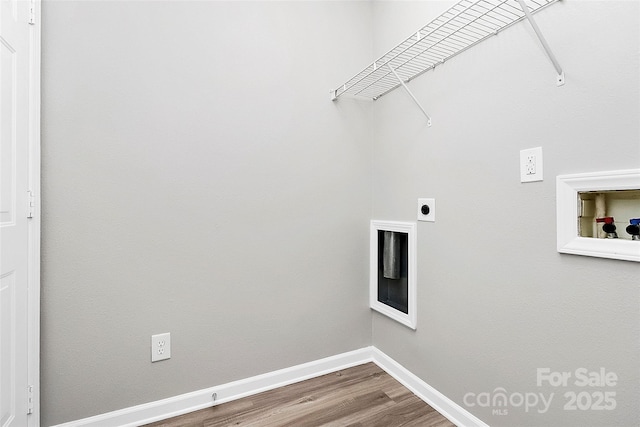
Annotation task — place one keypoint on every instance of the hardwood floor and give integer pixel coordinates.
(362, 396)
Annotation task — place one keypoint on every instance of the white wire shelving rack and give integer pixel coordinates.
(461, 27)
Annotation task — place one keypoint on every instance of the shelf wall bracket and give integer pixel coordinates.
(410, 94)
(543, 41)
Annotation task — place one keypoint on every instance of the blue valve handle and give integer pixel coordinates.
(634, 228)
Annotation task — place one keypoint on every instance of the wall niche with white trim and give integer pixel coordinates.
(598, 214)
(392, 270)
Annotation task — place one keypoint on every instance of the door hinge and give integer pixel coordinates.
(32, 12)
(31, 204)
(30, 400)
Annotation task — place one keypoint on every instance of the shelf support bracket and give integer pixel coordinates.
(543, 41)
(410, 94)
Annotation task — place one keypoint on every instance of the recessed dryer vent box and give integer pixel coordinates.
(392, 288)
(598, 214)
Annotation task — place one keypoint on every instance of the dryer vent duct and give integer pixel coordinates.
(391, 255)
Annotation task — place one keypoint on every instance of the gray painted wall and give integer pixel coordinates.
(495, 299)
(197, 180)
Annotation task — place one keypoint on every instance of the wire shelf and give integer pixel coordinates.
(463, 26)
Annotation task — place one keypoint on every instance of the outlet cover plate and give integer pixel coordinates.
(160, 347)
(431, 216)
(531, 165)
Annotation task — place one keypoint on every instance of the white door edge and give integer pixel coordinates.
(34, 222)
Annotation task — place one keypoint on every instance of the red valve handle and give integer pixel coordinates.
(606, 220)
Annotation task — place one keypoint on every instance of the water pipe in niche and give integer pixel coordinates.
(601, 212)
(609, 228)
(634, 228)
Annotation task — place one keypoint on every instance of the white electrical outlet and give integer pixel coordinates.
(160, 347)
(427, 210)
(531, 164)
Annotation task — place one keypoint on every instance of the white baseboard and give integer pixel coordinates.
(438, 401)
(185, 403)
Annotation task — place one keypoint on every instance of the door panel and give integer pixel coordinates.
(7, 348)
(14, 227)
(7, 108)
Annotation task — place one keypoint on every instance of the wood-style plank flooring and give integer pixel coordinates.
(362, 396)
